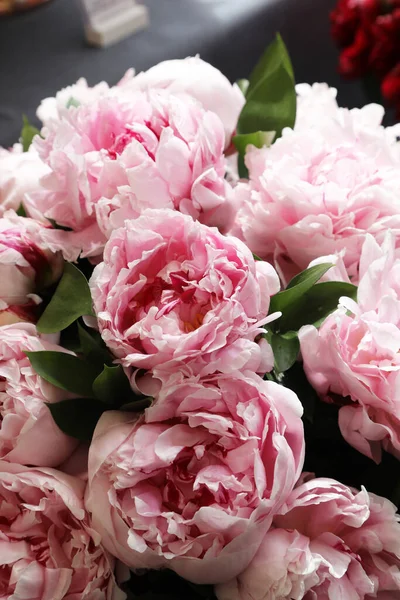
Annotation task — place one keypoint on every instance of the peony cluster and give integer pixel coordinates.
(172, 293)
(112, 153)
(147, 421)
(322, 187)
(330, 541)
(356, 354)
(196, 480)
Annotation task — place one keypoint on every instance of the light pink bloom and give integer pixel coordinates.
(197, 493)
(20, 173)
(49, 549)
(125, 152)
(28, 434)
(173, 292)
(200, 80)
(26, 266)
(331, 542)
(356, 354)
(70, 97)
(320, 189)
(315, 103)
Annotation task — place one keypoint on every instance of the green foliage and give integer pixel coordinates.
(77, 417)
(28, 132)
(112, 386)
(303, 302)
(65, 371)
(93, 348)
(315, 305)
(70, 301)
(298, 286)
(286, 351)
(270, 101)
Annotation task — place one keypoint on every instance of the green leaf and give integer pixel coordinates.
(285, 352)
(93, 348)
(257, 258)
(77, 417)
(312, 273)
(270, 106)
(243, 85)
(297, 287)
(112, 386)
(242, 169)
(275, 55)
(65, 371)
(137, 405)
(315, 305)
(21, 212)
(28, 132)
(73, 102)
(70, 301)
(257, 139)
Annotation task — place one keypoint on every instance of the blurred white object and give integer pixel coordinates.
(109, 21)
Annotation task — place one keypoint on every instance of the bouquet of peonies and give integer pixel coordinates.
(368, 33)
(200, 342)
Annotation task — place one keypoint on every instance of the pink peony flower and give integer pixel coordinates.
(55, 108)
(20, 173)
(196, 493)
(331, 542)
(315, 103)
(28, 434)
(200, 80)
(320, 189)
(356, 354)
(25, 266)
(172, 292)
(125, 152)
(49, 550)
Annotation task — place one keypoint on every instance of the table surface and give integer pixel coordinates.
(44, 50)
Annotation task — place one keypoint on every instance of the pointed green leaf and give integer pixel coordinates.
(28, 132)
(243, 85)
(315, 305)
(270, 106)
(285, 352)
(70, 301)
(242, 169)
(112, 386)
(311, 274)
(93, 348)
(77, 417)
(297, 287)
(275, 55)
(257, 139)
(137, 405)
(65, 371)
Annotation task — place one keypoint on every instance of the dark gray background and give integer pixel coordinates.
(44, 50)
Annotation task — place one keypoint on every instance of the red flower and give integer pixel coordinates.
(390, 88)
(385, 51)
(345, 20)
(353, 60)
(349, 16)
